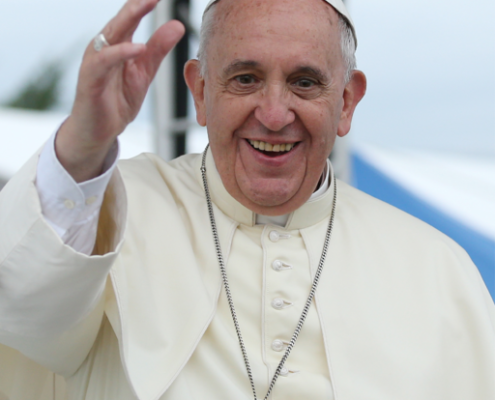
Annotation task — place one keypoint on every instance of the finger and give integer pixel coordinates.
(124, 24)
(112, 56)
(162, 41)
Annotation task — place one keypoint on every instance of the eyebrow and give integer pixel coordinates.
(316, 72)
(238, 65)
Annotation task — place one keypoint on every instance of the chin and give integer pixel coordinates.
(270, 199)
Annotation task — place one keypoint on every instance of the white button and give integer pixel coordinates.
(69, 204)
(284, 371)
(90, 200)
(278, 304)
(278, 265)
(277, 345)
(274, 236)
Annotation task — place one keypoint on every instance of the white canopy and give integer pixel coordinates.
(22, 133)
(461, 185)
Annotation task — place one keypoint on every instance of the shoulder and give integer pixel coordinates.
(150, 172)
(384, 245)
(162, 197)
(380, 224)
(149, 162)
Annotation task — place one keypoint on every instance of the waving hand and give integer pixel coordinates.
(111, 89)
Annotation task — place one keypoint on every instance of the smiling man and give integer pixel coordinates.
(277, 70)
(245, 272)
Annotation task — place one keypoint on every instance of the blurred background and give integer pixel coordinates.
(423, 138)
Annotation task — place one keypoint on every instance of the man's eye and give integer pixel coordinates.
(245, 79)
(305, 83)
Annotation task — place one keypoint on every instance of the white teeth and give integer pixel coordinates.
(276, 148)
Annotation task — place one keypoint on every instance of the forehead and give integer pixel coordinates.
(238, 10)
(299, 27)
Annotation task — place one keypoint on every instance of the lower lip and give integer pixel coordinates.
(270, 160)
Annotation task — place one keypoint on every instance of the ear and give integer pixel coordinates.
(354, 91)
(196, 85)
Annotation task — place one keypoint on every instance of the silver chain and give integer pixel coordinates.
(223, 271)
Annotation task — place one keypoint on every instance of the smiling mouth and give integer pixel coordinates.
(271, 149)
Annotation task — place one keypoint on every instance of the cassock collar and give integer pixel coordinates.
(310, 213)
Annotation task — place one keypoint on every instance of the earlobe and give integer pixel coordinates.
(196, 85)
(353, 93)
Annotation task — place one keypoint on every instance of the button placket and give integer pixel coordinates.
(288, 278)
(279, 321)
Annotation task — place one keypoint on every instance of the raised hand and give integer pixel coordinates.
(111, 88)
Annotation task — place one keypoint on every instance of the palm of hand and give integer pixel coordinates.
(111, 88)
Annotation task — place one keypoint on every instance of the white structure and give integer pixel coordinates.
(23, 132)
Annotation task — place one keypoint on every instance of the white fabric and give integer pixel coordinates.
(72, 209)
(216, 369)
(306, 374)
(76, 226)
(402, 311)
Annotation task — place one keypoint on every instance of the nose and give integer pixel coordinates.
(273, 110)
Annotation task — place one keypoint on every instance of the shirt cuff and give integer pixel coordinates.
(64, 202)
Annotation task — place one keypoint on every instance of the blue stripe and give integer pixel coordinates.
(480, 248)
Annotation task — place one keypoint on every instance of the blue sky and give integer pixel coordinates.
(430, 65)
(431, 73)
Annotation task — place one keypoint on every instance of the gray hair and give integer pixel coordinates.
(347, 42)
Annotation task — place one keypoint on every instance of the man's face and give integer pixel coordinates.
(275, 81)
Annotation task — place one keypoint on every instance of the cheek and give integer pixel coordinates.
(322, 124)
(227, 115)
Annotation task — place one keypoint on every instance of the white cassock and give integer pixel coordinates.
(400, 312)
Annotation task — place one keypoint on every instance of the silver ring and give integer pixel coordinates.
(99, 42)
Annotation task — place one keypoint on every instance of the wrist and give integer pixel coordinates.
(82, 158)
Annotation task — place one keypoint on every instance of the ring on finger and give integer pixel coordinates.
(100, 41)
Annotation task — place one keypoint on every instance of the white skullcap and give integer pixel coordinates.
(337, 4)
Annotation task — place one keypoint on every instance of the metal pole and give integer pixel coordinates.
(164, 109)
(180, 12)
(170, 89)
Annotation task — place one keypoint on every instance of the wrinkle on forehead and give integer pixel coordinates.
(254, 29)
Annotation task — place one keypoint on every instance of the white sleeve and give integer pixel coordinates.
(51, 301)
(72, 209)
